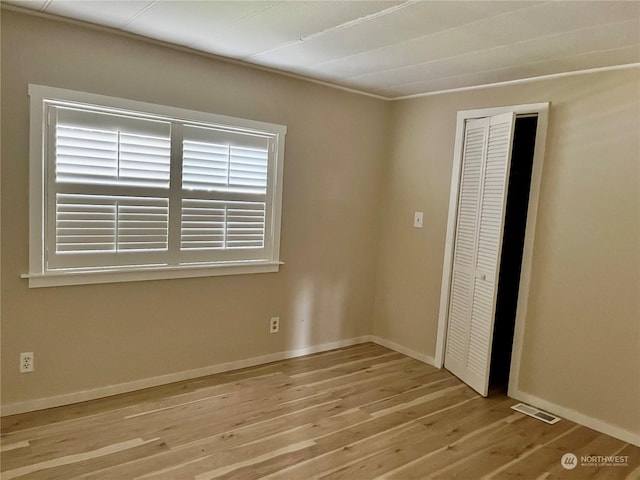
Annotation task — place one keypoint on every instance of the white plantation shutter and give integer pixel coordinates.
(225, 183)
(203, 225)
(220, 160)
(93, 223)
(100, 148)
(245, 225)
(218, 225)
(477, 248)
(104, 230)
(109, 198)
(127, 189)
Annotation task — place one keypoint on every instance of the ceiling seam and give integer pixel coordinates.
(44, 7)
(350, 23)
(138, 14)
(250, 15)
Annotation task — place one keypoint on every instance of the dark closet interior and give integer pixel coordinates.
(512, 248)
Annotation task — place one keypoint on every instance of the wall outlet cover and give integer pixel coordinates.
(26, 362)
(274, 325)
(417, 219)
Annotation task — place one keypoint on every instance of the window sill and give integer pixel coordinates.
(137, 274)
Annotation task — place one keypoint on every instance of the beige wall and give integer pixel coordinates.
(92, 336)
(582, 338)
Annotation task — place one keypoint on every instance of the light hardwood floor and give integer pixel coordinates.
(356, 413)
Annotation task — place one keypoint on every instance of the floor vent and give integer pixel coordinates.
(535, 413)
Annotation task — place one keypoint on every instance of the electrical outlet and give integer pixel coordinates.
(26, 362)
(274, 325)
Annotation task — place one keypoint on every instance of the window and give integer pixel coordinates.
(123, 190)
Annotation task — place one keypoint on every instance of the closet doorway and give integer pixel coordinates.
(492, 210)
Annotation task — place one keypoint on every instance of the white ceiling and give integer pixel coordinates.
(387, 48)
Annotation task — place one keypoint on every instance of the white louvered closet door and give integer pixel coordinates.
(478, 244)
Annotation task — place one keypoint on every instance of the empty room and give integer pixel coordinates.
(320, 239)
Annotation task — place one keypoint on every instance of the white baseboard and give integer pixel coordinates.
(100, 392)
(82, 396)
(404, 350)
(574, 416)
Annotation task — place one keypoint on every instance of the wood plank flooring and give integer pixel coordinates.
(357, 413)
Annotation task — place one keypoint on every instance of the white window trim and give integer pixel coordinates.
(39, 276)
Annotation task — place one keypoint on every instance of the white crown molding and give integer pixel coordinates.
(518, 81)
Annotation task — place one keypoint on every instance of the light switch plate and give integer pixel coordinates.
(417, 219)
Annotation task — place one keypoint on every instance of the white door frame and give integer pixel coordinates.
(542, 112)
